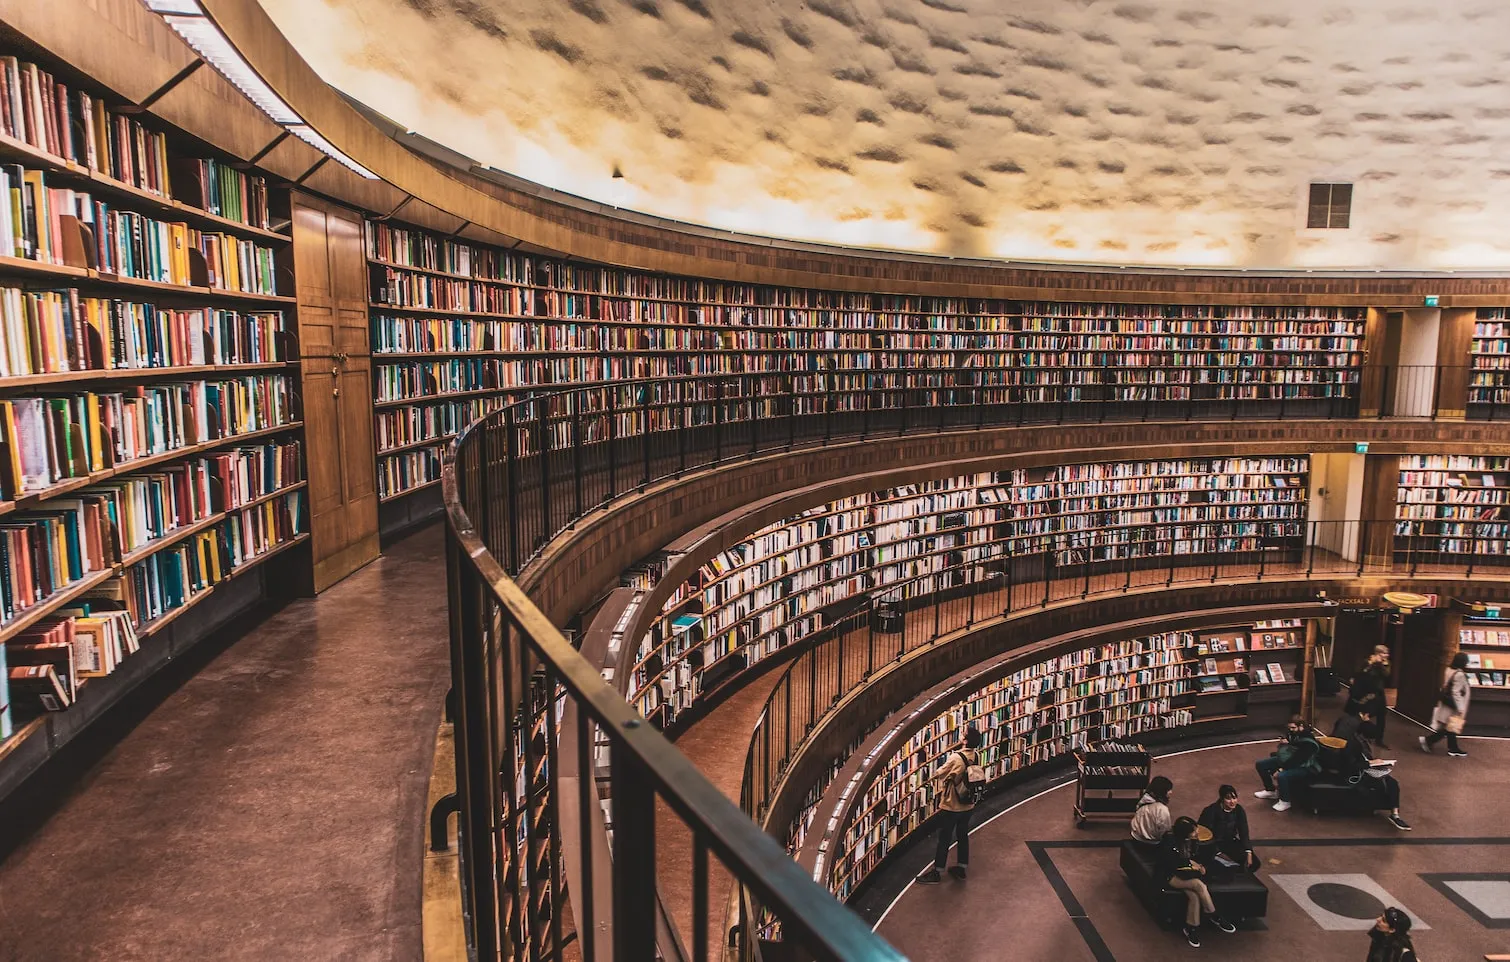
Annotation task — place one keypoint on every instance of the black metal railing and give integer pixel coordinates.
(531, 470)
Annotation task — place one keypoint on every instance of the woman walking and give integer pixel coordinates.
(1452, 709)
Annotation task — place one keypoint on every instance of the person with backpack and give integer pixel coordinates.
(1452, 709)
(1297, 759)
(1389, 939)
(961, 783)
(1175, 867)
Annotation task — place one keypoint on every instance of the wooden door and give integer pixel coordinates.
(330, 279)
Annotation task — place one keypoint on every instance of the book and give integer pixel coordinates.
(1276, 673)
(36, 688)
(1260, 676)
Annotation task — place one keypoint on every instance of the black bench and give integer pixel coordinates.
(1334, 792)
(1236, 894)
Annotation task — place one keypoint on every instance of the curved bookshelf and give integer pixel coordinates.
(795, 578)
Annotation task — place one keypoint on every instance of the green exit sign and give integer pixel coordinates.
(1431, 300)
(1360, 447)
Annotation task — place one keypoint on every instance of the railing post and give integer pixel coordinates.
(634, 889)
(791, 413)
(682, 413)
(543, 446)
(576, 443)
(754, 416)
(718, 420)
(645, 433)
(613, 441)
(510, 479)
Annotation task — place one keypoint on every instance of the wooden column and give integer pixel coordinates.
(1454, 343)
(330, 275)
(1376, 360)
(1381, 480)
(1429, 639)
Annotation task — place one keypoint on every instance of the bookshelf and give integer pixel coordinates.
(791, 580)
(459, 327)
(150, 410)
(1489, 357)
(1485, 638)
(1039, 714)
(1454, 507)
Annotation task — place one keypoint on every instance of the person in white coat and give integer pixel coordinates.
(1452, 709)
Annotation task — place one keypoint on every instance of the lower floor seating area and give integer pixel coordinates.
(1054, 891)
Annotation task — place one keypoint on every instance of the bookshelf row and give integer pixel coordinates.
(1453, 504)
(454, 323)
(150, 442)
(796, 577)
(1489, 378)
(1486, 642)
(1046, 710)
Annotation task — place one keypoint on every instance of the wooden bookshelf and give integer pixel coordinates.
(1031, 717)
(455, 321)
(1489, 358)
(793, 579)
(149, 406)
(1453, 507)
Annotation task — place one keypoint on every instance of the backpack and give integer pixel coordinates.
(970, 788)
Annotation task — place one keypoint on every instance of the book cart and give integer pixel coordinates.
(1110, 778)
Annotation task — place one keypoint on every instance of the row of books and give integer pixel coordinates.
(1453, 503)
(52, 439)
(72, 228)
(406, 247)
(420, 379)
(44, 551)
(60, 331)
(1489, 637)
(416, 423)
(43, 668)
(402, 472)
(75, 126)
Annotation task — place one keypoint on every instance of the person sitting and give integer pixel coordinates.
(1293, 764)
(1375, 782)
(1174, 867)
(1361, 724)
(1152, 818)
(1229, 828)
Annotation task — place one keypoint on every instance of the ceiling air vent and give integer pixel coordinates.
(1331, 206)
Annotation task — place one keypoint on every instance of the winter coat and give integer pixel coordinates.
(1151, 820)
(1456, 683)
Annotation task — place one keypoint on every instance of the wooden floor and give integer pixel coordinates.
(273, 807)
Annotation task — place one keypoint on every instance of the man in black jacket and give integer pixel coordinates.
(1229, 828)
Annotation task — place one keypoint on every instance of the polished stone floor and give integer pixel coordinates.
(1055, 892)
(272, 807)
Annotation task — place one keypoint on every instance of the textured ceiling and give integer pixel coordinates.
(1168, 132)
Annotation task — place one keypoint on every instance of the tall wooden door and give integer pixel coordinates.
(330, 280)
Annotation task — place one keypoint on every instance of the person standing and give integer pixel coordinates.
(1366, 696)
(1452, 709)
(1174, 867)
(956, 802)
(1152, 818)
(1295, 762)
(1229, 828)
(1389, 939)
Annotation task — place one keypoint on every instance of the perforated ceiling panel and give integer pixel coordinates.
(1176, 132)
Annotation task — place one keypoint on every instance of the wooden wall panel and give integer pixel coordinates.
(1381, 482)
(330, 271)
(1454, 340)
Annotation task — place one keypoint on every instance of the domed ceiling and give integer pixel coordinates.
(1180, 132)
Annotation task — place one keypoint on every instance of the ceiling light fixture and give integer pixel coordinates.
(189, 20)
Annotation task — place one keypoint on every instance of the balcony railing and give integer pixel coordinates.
(535, 720)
